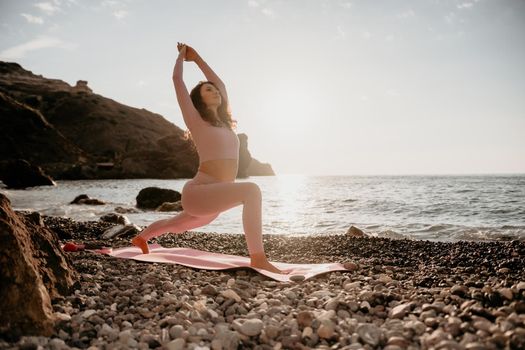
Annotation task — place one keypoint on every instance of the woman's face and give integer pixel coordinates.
(210, 95)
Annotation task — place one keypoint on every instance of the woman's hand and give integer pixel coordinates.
(182, 52)
(191, 54)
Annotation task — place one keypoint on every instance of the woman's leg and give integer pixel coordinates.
(180, 223)
(207, 199)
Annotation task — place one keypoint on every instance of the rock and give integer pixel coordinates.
(177, 344)
(122, 210)
(326, 330)
(115, 219)
(19, 174)
(350, 266)
(369, 333)
(153, 197)
(231, 294)
(400, 310)
(459, 290)
(251, 327)
(256, 168)
(84, 199)
(121, 231)
(170, 206)
(506, 293)
(33, 271)
(304, 319)
(297, 278)
(355, 232)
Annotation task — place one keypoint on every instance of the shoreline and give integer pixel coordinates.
(404, 294)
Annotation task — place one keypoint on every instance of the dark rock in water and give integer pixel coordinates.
(115, 219)
(153, 197)
(19, 174)
(84, 199)
(170, 206)
(355, 232)
(121, 231)
(33, 271)
(122, 210)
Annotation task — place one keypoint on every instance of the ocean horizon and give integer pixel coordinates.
(430, 207)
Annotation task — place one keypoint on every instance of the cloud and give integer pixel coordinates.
(43, 42)
(253, 3)
(465, 5)
(366, 34)
(346, 5)
(268, 12)
(117, 8)
(32, 19)
(120, 14)
(406, 14)
(48, 8)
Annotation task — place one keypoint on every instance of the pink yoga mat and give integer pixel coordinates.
(216, 261)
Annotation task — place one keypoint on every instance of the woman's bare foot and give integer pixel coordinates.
(259, 261)
(141, 243)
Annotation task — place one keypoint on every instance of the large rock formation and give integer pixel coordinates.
(33, 271)
(77, 134)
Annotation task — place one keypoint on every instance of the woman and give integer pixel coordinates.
(207, 115)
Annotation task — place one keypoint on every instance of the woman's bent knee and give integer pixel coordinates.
(253, 189)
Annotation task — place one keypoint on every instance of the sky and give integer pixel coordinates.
(320, 87)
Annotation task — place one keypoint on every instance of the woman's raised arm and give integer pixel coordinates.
(189, 112)
(192, 55)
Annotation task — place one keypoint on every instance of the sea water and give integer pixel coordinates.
(444, 208)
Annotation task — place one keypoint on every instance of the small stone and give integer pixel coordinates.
(417, 326)
(176, 331)
(177, 344)
(355, 232)
(400, 310)
(304, 319)
(506, 293)
(448, 345)
(398, 341)
(252, 327)
(297, 278)
(350, 266)
(209, 290)
(272, 331)
(475, 346)
(59, 316)
(369, 333)
(57, 344)
(88, 313)
(326, 330)
(459, 290)
(230, 294)
(307, 332)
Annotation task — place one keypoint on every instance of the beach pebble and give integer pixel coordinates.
(506, 293)
(297, 278)
(326, 329)
(369, 333)
(231, 294)
(177, 344)
(251, 327)
(304, 318)
(400, 310)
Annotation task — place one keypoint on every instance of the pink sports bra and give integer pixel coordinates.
(214, 142)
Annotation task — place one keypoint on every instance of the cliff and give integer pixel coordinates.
(73, 133)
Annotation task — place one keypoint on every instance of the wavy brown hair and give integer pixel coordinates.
(224, 116)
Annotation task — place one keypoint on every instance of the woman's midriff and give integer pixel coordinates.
(221, 169)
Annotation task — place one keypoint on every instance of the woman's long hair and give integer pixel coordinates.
(224, 116)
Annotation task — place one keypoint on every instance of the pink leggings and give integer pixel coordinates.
(204, 198)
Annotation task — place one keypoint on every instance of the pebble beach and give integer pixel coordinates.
(400, 294)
